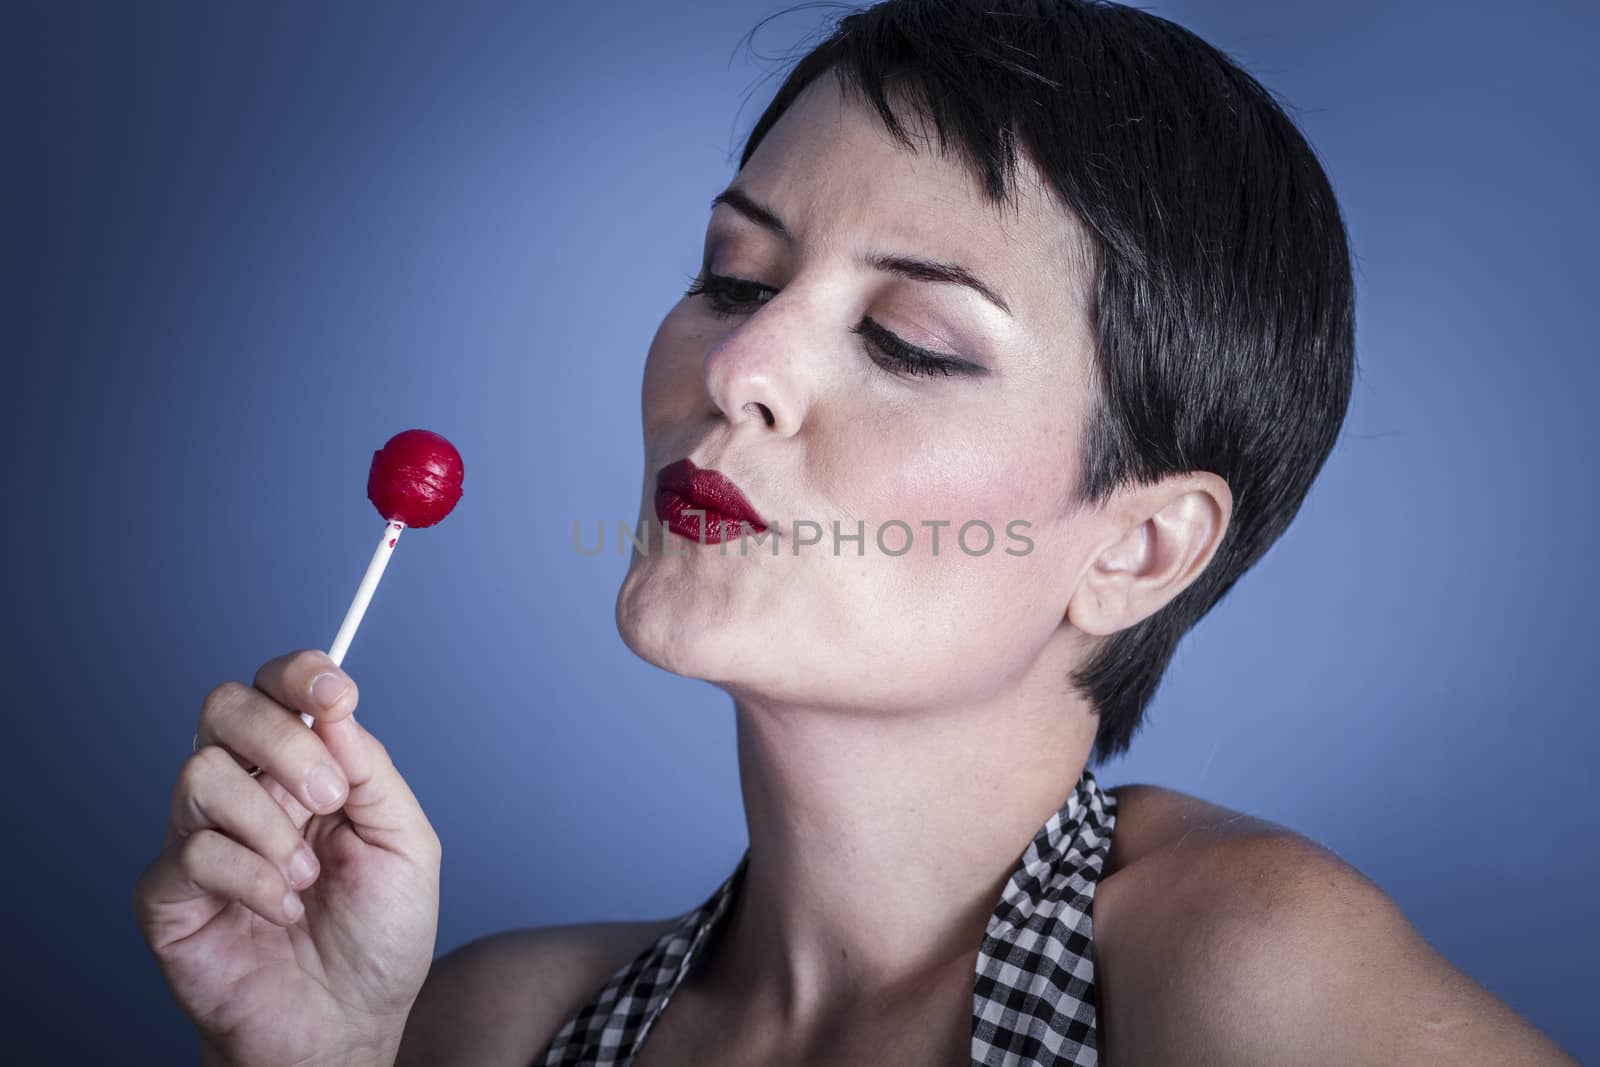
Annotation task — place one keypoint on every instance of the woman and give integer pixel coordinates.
(1021, 333)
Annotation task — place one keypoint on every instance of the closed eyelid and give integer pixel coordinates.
(718, 285)
(912, 267)
(770, 291)
(871, 326)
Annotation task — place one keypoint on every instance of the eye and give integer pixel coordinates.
(728, 297)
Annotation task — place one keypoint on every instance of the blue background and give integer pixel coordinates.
(247, 245)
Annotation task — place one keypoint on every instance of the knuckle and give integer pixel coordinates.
(194, 852)
(223, 697)
(202, 764)
(192, 768)
(209, 763)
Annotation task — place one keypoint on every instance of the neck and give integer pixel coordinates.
(880, 844)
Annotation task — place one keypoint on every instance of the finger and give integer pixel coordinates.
(309, 682)
(263, 733)
(213, 793)
(382, 808)
(206, 863)
(201, 736)
(298, 813)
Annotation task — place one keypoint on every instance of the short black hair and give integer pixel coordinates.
(1221, 298)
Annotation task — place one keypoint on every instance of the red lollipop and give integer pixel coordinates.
(416, 478)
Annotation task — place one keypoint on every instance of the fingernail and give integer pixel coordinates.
(303, 867)
(326, 689)
(325, 785)
(292, 906)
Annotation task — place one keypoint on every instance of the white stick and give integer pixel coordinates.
(358, 606)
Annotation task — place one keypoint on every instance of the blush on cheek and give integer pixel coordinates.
(993, 571)
(994, 501)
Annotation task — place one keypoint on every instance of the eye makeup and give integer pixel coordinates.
(728, 296)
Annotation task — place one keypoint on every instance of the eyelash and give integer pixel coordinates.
(719, 290)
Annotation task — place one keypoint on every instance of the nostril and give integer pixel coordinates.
(765, 412)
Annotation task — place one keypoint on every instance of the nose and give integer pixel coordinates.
(755, 374)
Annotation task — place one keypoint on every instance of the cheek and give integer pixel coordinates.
(1006, 582)
(937, 475)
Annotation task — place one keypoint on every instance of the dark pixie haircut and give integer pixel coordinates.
(1223, 305)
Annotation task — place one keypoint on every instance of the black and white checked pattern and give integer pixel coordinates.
(1033, 999)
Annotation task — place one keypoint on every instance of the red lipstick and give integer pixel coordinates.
(682, 487)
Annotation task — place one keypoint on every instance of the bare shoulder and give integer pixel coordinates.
(1222, 937)
(1152, 820)
(501, 998)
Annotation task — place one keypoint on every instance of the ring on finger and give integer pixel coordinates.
(194, 746)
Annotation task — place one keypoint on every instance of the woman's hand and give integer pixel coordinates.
(271, 976)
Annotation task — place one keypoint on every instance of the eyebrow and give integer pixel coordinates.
(913, 267)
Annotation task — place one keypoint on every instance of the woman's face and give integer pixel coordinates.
(782, 385)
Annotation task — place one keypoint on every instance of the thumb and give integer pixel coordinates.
(381, 807)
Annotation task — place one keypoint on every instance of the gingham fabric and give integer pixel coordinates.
(1033, 997)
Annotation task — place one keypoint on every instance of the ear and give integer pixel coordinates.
(1160, 538)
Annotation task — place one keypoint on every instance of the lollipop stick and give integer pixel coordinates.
(358, 606)
(369, 583)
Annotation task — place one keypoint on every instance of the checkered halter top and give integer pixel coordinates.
(1033, 994)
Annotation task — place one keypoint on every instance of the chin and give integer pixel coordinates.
(670, 618)
(660, 619)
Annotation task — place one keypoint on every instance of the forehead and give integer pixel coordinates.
(844, 185)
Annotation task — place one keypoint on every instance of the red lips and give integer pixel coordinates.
(682, 488)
